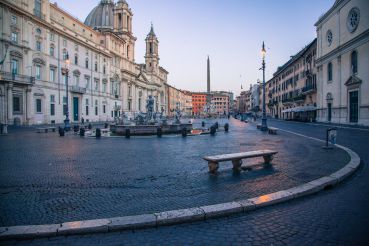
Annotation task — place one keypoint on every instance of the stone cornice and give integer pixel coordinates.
(49, 26)
(336, 6)
(357, 41)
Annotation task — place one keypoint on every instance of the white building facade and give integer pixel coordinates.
(37, 37)
(343, 63)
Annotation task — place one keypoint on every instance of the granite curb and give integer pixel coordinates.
(183, 215)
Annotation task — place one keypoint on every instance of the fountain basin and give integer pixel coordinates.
(142, 130)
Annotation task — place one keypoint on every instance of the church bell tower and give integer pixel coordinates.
(152, 52)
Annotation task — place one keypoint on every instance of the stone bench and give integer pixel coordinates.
(236, 158)
(272, 130)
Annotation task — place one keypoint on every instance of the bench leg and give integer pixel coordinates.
(213, 167)
(268, 159)
(237, 165)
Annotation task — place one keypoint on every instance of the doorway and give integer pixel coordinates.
(329, 111)
(354, 106)
(75, 109)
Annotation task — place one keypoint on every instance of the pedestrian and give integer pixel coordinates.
(82, 120)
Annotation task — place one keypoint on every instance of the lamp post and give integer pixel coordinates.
(264, 126)
(65, 72)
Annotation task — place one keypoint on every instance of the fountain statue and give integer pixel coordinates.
(148, 123)
(149, 110)
(178, 115)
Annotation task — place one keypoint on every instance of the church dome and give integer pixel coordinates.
(101, 17)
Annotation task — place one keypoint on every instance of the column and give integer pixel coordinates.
(10, 103)
(29, 105)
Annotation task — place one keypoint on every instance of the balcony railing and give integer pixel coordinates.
(309, 89)
(78, 89)
(287, 100)
(299, 98)
(17, 78)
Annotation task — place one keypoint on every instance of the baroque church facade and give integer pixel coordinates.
(342, 63)
(50, 58)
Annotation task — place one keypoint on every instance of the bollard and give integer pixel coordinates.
(128, 133)
(98, 133)
(106, 125)
(203, 123)
(82, 132)
(213, 130)
(159, 132)
(226, 127)
(89, 126)
(61, 131)
(216, 125)
(331, 136)
(184, 132)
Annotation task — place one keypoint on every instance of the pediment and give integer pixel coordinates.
(353, 80)
(142, 77)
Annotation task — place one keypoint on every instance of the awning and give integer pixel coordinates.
(299, 109)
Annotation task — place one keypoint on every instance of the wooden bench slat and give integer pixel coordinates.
(243, 155)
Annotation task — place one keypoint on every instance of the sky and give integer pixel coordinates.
(231, 32)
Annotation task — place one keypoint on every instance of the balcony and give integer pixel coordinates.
(78, 89)
(117, 108)
(17, 78)
(299, 98)
(308, 89)
(287, 101)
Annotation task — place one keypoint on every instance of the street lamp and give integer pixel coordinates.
(65, 72)
(264, 126)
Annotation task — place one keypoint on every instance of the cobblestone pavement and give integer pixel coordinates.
(46, 179)
(333, 217)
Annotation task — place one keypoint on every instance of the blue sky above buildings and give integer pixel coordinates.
(229, 31)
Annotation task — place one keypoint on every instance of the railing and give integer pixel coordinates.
(17, 78)
(78, 89)
(287, 100)
(117, 108)
(299, 98)
(309, 88)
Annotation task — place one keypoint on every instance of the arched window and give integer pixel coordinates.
(128, 51)
(354, 62)
(37, 9)
(86, 63)
(95, 66)
(65, 54)
(76, 59)
(330, 75)
(52, 50)
(120, 20)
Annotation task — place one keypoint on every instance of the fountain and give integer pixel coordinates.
(150, 123)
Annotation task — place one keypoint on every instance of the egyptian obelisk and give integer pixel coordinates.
(208, 88)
